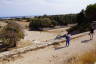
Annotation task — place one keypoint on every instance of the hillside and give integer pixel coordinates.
(57, 54)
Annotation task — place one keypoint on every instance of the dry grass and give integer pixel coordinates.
(23, 24)
(88, 58)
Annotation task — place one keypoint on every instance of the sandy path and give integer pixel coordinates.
(43, 36)
(33, 37)
(49, 55)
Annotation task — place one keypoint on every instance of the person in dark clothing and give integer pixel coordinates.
(67, 37)
(91, 33)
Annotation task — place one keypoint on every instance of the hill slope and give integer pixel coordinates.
(50, 55)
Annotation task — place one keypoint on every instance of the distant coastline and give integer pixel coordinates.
(30, 16)
(9, 17)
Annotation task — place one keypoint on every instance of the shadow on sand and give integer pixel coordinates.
(60, 47)
(85, 41)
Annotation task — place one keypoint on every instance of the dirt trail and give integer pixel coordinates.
(43, 36)
(31, 37)
(50, 55)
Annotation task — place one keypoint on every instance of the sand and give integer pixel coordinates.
(34, 37)
(58, 55)
(43, 35)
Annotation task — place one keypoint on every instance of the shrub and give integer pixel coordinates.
(10, 34)
(38, 23)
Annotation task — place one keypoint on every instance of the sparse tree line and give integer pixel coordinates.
(52, 21)
(84, 20)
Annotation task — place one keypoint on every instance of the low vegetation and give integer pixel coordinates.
(11, 34)
(51, 21)
(88, 58)
(37, 24)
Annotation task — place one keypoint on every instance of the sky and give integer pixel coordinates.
(41, 7)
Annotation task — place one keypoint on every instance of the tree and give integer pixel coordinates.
(81, 17)
(82, 24)
(10, 34)
(91, 12)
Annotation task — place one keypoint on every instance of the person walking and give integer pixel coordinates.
(91, 33)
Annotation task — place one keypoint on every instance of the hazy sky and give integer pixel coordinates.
(40, 7)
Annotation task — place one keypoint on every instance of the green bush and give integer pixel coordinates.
(10, 34)
(39, 23)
